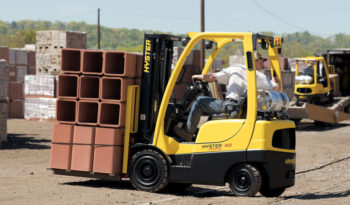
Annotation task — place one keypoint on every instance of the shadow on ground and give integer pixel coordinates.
(319, 196)
(310, 126)
(23, 141)
(193, 191)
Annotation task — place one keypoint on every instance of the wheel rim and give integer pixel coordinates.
(242, 181)
(147, 171)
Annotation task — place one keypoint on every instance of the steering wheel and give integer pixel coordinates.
(203, 87)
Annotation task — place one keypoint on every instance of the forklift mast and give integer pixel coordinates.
(156, 71)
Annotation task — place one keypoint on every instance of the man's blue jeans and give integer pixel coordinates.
(203, 105)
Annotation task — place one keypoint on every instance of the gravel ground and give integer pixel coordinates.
(323, 174)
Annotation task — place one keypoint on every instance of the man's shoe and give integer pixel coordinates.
(181, 132)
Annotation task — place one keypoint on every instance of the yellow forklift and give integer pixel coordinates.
(312, 82)
(252, 151)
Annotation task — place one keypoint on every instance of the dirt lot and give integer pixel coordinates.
(323, 174)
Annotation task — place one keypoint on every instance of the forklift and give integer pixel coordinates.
(312, 82)
(252, 152)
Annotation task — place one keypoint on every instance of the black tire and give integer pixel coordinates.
(315, 101)
(330, 97)
(177, 187)
(245, 180)
(299, 103)
(322, 124)
(297, 121)
(267, 192)
(148, 171)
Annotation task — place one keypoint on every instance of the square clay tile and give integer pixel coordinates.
(82, 156)
(62, 133)
(107, 159)
(109, 136)
(83, 135)
(60, 157)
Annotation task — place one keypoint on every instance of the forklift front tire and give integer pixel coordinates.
(148, 171)
(245, 180)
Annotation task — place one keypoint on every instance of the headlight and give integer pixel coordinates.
(271, 101)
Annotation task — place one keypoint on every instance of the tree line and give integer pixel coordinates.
(18, 33)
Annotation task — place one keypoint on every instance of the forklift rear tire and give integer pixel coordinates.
(267, 192)
(245, 180)
(148, 171)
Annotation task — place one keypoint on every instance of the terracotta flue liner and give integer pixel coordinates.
(89, 87)
(119, 63)
(92, 62)
(67, 86)
(70, 60)
(109, 136)
(87, 112)
(111, 114)
(66, 110)
(82, 157)
(84, 135)
(62, 133)
(107, 159)
(114, 88)
(60, 157)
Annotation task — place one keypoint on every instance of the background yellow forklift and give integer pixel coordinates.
(312, 82)
(253, 151)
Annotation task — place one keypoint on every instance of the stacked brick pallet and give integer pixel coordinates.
(49, 44)
(20, 63)
(3, 101)
(284, 65)
(90, 113)
(40, 101)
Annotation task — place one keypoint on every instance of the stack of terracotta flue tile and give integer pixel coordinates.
(90, 113)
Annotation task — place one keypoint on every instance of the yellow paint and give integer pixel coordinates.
(132, 110)
(216, 135)
(275, 64)
(219, 130)
(263, 133)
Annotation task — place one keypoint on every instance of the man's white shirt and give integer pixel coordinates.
(235, 79)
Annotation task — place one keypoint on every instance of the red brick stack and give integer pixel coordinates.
(20, 63)
(90, 111)
(3, 101)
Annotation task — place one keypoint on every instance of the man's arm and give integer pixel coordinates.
(206, 77)
(264, 83)
(278, 84)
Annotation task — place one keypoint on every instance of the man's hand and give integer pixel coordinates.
(278, 84)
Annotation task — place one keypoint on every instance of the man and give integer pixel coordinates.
(309, 70)
(235, 79)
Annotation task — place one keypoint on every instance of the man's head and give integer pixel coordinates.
(309, 63)
(259, 61)
(259, 64)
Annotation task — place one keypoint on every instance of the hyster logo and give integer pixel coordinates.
(212, 147)
(147, 56)
(289, 161)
